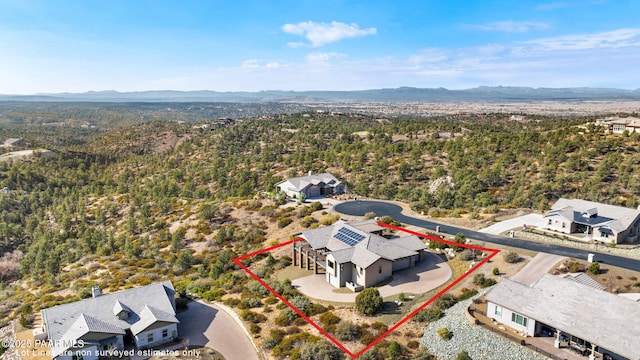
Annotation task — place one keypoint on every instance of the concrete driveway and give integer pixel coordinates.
(208, 325)
(425, 276)
(538, 266)
(535, 220)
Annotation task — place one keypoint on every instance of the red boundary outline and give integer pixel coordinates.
(493, 252)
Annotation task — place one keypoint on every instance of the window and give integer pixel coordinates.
(379, 269)
(150, 337)
(519, 319)
(77, 356)
(330, 264)
(549, 221)
(564, 225)
(498, 310)
(165, 333)
(360, 271)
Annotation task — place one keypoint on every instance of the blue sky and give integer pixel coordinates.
(244, 45)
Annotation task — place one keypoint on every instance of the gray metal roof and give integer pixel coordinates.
(149, 316)
(368, 250)
(411, 242)
(67, 321)
(572, 209)
(343, 256)
(367, 225)
(300, 183)
(387, 249)
(599, 317)
(318, 238)
(583, 279)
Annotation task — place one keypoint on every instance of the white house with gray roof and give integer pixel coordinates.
(581, 316)
(594, 221)
(311, 186)
(93, 327)
(355, 255)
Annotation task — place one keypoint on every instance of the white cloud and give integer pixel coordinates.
(317, 57)
(260, 64)
(511, 26)
(320, 34)
(611, 39)
(429, 55)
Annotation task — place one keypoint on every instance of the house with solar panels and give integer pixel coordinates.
(95, 327)
(356, 255)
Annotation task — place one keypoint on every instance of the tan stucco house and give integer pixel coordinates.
(355, 255)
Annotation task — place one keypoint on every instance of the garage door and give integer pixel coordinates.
(401, 264)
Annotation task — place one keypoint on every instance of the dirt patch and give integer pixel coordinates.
(615, 280)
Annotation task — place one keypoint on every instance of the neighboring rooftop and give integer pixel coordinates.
(144, 305)
(299, 183)
(591, 213)
(563, 303)
(583, 279)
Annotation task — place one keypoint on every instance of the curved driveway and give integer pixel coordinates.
(380, 208)
(208, 325)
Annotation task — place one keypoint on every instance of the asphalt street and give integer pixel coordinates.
(361, 207)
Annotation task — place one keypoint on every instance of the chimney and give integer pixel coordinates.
(95, 291)
(310, 172)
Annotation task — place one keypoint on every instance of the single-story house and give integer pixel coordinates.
(355, 254)
(586, 318)
(600, 222)
(312, 185)
(618, 125)
(91, 328)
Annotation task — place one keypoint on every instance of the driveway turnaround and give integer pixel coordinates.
(425, 276)
(208, 325)
(380, 208)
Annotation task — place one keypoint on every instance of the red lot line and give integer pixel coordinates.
(493, 252)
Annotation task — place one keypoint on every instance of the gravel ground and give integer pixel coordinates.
(479, 343)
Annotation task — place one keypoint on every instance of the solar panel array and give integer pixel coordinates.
(348, 236)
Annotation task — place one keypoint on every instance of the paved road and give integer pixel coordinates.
(207, 325)
(360, 207)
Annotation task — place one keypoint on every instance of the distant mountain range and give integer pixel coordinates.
(402, 94)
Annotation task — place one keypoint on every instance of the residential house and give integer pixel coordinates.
(355, 255)
(91, 328)
(618, 125)
(310, 186)
(594, 221)
(584, 318)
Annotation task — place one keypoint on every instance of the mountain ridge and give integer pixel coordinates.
(400, 94)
